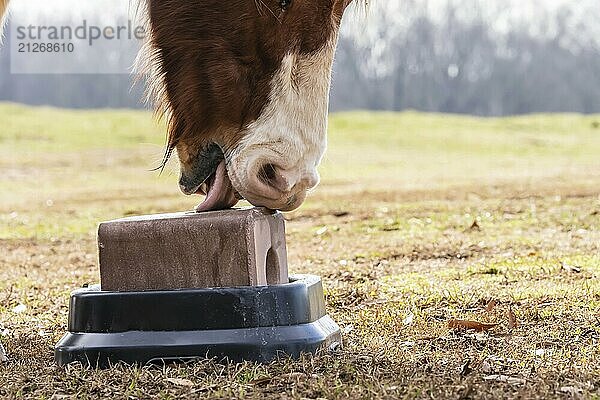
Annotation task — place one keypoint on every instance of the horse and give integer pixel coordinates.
(3, 8)
(244, 88)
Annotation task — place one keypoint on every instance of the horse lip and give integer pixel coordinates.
(187, 188)
(202, 167)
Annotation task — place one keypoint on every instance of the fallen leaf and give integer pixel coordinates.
(459, 324)
(505, 378)
(490, 305)
(512, 319)
(570, 268)
(180, 382)
(409, 319)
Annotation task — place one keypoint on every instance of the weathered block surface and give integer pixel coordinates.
(243, 247)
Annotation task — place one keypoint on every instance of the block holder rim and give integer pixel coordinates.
(261, 323)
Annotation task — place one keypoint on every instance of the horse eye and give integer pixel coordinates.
(285, 4)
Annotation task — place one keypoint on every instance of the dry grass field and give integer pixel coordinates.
(420, 219)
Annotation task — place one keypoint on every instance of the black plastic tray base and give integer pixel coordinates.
(247, 323)
(253, 344)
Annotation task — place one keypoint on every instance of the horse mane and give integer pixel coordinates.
(3, 8)
(147, 71)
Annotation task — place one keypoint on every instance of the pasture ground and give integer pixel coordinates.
(419, 219)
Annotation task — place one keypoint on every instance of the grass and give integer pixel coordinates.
(419, 219)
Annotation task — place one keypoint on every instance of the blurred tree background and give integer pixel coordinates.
(455, 56)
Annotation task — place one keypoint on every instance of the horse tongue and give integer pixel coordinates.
(220, 193)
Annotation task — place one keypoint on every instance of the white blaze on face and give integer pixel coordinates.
(291, 132)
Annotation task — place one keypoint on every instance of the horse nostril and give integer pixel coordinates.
(267, 173)
(271, 175)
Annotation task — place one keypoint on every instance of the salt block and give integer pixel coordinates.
(240, 247)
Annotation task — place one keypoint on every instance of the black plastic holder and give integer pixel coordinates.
(257, 323)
